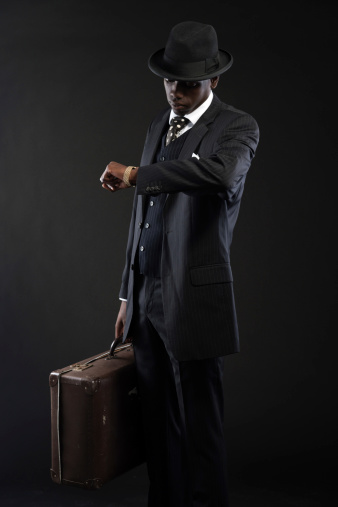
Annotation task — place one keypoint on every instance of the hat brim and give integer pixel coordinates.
(159, 67)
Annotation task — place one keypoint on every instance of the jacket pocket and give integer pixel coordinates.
(207, 275)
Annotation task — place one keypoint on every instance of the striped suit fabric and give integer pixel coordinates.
(202, 201)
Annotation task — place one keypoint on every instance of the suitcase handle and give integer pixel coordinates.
(111, 353)
(113, 346)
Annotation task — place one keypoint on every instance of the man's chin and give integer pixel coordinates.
(180, 110)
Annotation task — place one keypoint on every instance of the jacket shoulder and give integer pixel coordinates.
(234, 114)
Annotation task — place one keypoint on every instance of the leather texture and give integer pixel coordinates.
(96, 429)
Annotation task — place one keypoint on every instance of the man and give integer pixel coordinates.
(177, 294)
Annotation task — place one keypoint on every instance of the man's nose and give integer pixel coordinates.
(175, 89)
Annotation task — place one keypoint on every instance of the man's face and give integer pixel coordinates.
(186, 96)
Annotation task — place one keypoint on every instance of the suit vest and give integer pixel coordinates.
(150, 244)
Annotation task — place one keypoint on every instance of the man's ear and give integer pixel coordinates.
(214, 82)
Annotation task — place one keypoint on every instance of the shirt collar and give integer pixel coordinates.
(197, 113)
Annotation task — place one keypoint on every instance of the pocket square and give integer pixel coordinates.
(196, 156)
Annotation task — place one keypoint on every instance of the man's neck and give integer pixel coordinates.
(195, 115)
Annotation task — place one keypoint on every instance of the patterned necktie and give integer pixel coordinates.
(176, 125)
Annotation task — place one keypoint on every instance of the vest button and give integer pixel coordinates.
(147, 225)
(162, 158)
(142, 248)
(151, 203)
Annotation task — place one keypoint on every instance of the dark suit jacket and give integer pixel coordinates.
(199, 217)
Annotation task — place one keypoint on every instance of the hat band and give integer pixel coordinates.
(191, 68)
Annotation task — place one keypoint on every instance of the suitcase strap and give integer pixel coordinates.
(77, 367)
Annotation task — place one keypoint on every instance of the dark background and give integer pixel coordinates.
(76, 93)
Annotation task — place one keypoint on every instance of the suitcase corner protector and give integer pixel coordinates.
(54, 476)
(53, 379)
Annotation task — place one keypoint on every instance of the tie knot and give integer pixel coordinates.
(176, 125)
(178, 122)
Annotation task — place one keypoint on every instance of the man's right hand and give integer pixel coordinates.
(121, 320)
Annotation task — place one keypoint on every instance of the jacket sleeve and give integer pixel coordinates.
(226, 153)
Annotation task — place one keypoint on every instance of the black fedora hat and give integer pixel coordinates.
(191, 54)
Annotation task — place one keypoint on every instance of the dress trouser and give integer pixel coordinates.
(182, 405)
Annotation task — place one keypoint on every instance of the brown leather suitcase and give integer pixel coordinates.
(95, 419)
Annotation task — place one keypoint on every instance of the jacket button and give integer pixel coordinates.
(162, 158)
(140, 224)
(142, 248)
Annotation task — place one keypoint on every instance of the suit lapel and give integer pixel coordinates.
(193, 139)
(199, 130)
(154, 137)
(196, 134)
